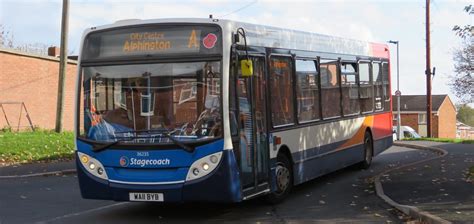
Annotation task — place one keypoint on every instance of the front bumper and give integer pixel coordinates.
(222, 185)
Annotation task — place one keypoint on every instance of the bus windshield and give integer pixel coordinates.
(152, 103)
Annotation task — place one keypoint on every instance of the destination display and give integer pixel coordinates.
(151, 41)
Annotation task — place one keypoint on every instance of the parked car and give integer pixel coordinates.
(406, 132)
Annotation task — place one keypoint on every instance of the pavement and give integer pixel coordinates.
(439, 186)
(38, 169)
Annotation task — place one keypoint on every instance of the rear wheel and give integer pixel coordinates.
(368, 151)
(284, 179)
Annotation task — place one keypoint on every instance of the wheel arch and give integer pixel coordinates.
(369, 130)
(285, 150)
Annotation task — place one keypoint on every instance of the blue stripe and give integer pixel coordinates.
(313, 153)
(327, 163)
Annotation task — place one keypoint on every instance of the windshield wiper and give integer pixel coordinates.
(163, 132)
(177, 142)
(97, 148)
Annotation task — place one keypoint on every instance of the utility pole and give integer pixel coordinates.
(62, 65)
(428, 70)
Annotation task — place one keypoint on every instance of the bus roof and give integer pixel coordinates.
(269, 36)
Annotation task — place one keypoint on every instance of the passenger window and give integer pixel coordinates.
(366, 91)
(307, 90)
(281, 91)
(378, 86)
(386, 86)
(350, 89)
(330, 93)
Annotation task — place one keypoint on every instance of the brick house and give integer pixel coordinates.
(413, 114)
(33, 80)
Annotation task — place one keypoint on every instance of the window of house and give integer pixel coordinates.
(307, 90)
(330, 92)
(378, 86)
(366, 88)
(188, 92)
(103, 94)
(422, 118)
(147, 103)
(350, 89)
(120, 95)
(281, 90)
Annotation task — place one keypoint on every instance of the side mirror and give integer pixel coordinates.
(394, 131)
(246, 67)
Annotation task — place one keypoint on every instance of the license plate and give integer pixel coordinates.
(146, 196)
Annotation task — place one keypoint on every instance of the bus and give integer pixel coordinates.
(183, 110)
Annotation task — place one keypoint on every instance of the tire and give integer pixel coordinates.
(284, 180)
(368, 151)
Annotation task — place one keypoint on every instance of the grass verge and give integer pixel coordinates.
(449, 140)
(41, 145)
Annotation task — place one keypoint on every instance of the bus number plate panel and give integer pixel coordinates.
(134, 196)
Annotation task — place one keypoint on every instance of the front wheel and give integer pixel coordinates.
(284, 179)
(368, 151)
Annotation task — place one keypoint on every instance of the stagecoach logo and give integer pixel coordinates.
(209, 41)
(124, 161)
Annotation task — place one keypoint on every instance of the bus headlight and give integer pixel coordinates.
(92, 166)
(203, 166)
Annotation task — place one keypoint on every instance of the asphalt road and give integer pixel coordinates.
(343, 196)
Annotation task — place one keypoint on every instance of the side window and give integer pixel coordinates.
(365, 88)
(307, 90)
(281, 90)
(350, 89)
(378, 86)
(330, 94)
(386, 86)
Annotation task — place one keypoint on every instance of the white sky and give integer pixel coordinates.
(38, 21)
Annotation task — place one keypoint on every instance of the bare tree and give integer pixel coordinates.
(7, 41)
(6, 37)
(462, 82)
(465, 31)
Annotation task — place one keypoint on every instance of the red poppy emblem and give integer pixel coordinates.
(209, 41)
(123, 161)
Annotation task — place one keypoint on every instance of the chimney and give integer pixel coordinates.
(53, 51)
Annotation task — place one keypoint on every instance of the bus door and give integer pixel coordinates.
(253, 140)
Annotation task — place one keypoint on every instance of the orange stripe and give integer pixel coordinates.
(358, 137)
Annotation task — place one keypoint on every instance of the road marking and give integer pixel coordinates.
(82, 212)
